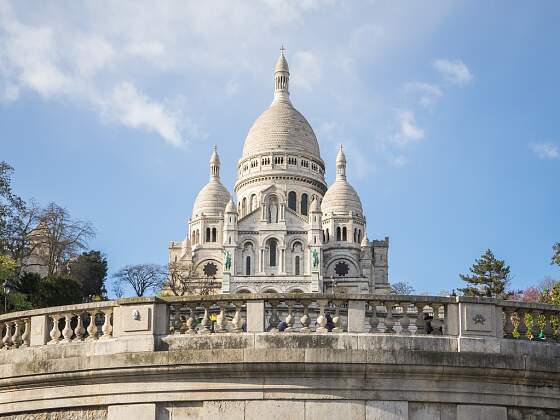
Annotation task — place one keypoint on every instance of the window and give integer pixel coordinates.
(338, 235)
(344, 236)
(359, 235)
(210, 270)
(304, 204)
(253, 203)
(292, 161)
(207, 234)
(248, 266)
(292, 200)
(213, 234)
(296, 263)
(305, 163)
(244, 207)
(328, 235)
(355, 235)
(278, 160)
(272, 252)
(341, 268)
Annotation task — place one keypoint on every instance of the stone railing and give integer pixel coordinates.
(461, 317)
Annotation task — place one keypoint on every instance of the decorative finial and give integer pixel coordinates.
(282, 49)
(215, 148)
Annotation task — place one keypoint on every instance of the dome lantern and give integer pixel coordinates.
(281, 79)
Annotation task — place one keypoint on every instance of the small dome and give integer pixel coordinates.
(212, 199)
(315, 207)
(281, 128)
(340, 157)
(214, 158)
(341, 197)
(230, 208)
(281, 64)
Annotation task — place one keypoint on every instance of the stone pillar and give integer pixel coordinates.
(356, 316)
(478, 325)
(255, 316)
(39, 330)
(226, 282)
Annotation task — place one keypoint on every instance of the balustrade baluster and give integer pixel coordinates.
(55, 331)
(79, 331)
(7, 339)
(522, 327)
(221, 318)
(26, 336)
(547, 330)
(304, 319)
(107, 327)
(237, 321)
(437, 321)
(176, 318)
(420, 322)
(336, 318)
(389, 322)
(373, 319)
(321, 319)
(274, 320)
(535, 327)
(67, 331)
(92, 326)
(405, 320)
(290, 318)
(205, 322)
(2, 329)
(16, 337)
(508, 324)
(191, 322)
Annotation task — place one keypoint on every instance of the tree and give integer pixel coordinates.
(8, 200)
(556, 255)
(90, 271)
(182, 280)
(141, 277)
(402, 288)
(59, 237)
(489, 278)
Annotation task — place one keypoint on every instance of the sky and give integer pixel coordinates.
(448, 112)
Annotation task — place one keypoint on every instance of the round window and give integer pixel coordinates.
(210, 269)
(341, 268)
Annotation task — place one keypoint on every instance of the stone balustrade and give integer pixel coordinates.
(285, 313)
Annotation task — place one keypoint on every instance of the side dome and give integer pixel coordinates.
(341, 197)
(214, 197)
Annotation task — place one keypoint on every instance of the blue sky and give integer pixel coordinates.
(448, 111)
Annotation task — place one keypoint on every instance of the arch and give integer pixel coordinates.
(248, 265)
(214, 234)
(253, 203)
(344, 234)
(355, 235)
(243, 291)
(297, 265)
(304, 209)
(273, 209)
(292, 199)
(268, 290)
(338, 234)
(207, 234)
(294, 290)
(359, 235)
(272, 252)
(328, 236)
(244, 206)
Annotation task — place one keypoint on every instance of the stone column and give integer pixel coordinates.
(356, 316)
(255, 316)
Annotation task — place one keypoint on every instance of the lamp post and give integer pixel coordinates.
(6, 289)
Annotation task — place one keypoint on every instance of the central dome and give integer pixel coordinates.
(281, 128)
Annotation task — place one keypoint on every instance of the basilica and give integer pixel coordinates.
(287, 231)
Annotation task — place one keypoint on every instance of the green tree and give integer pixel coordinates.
(59, 290)
(90, 271)
(489, 277)
(556, 255)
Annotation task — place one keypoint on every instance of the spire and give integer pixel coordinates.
(281, 79)
(215, 164)
(340, 164)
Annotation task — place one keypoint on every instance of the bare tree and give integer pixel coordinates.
(402, 288)
(59, 237)
(182, 280)
(141, 277)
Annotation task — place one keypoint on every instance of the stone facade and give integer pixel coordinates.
(289, 231)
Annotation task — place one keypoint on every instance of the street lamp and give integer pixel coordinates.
(6, 289)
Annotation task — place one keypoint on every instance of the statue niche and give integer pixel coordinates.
(273, 210)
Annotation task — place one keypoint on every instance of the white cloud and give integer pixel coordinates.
(454, 71)
(407, 129)
(136, 110)
(545, 150)
(306, 70)
(427, 94)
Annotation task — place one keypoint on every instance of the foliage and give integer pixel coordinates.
(556, 255)
(90, 271)
(490, 277)
(7, 268)
(141, 277)
(401, 288)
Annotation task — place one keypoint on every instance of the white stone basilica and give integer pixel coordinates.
(289, 232)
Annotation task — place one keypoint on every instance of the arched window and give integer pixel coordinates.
(344, 236)
(359, 235)
(292, 200)
(207, 234)
(213, 234)
(304, 204)
(355, 235)
(338, 235)
(297, 269)
(244, 207)
(253, 204)
(328, 236)
(248, 266)
(272, 245)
